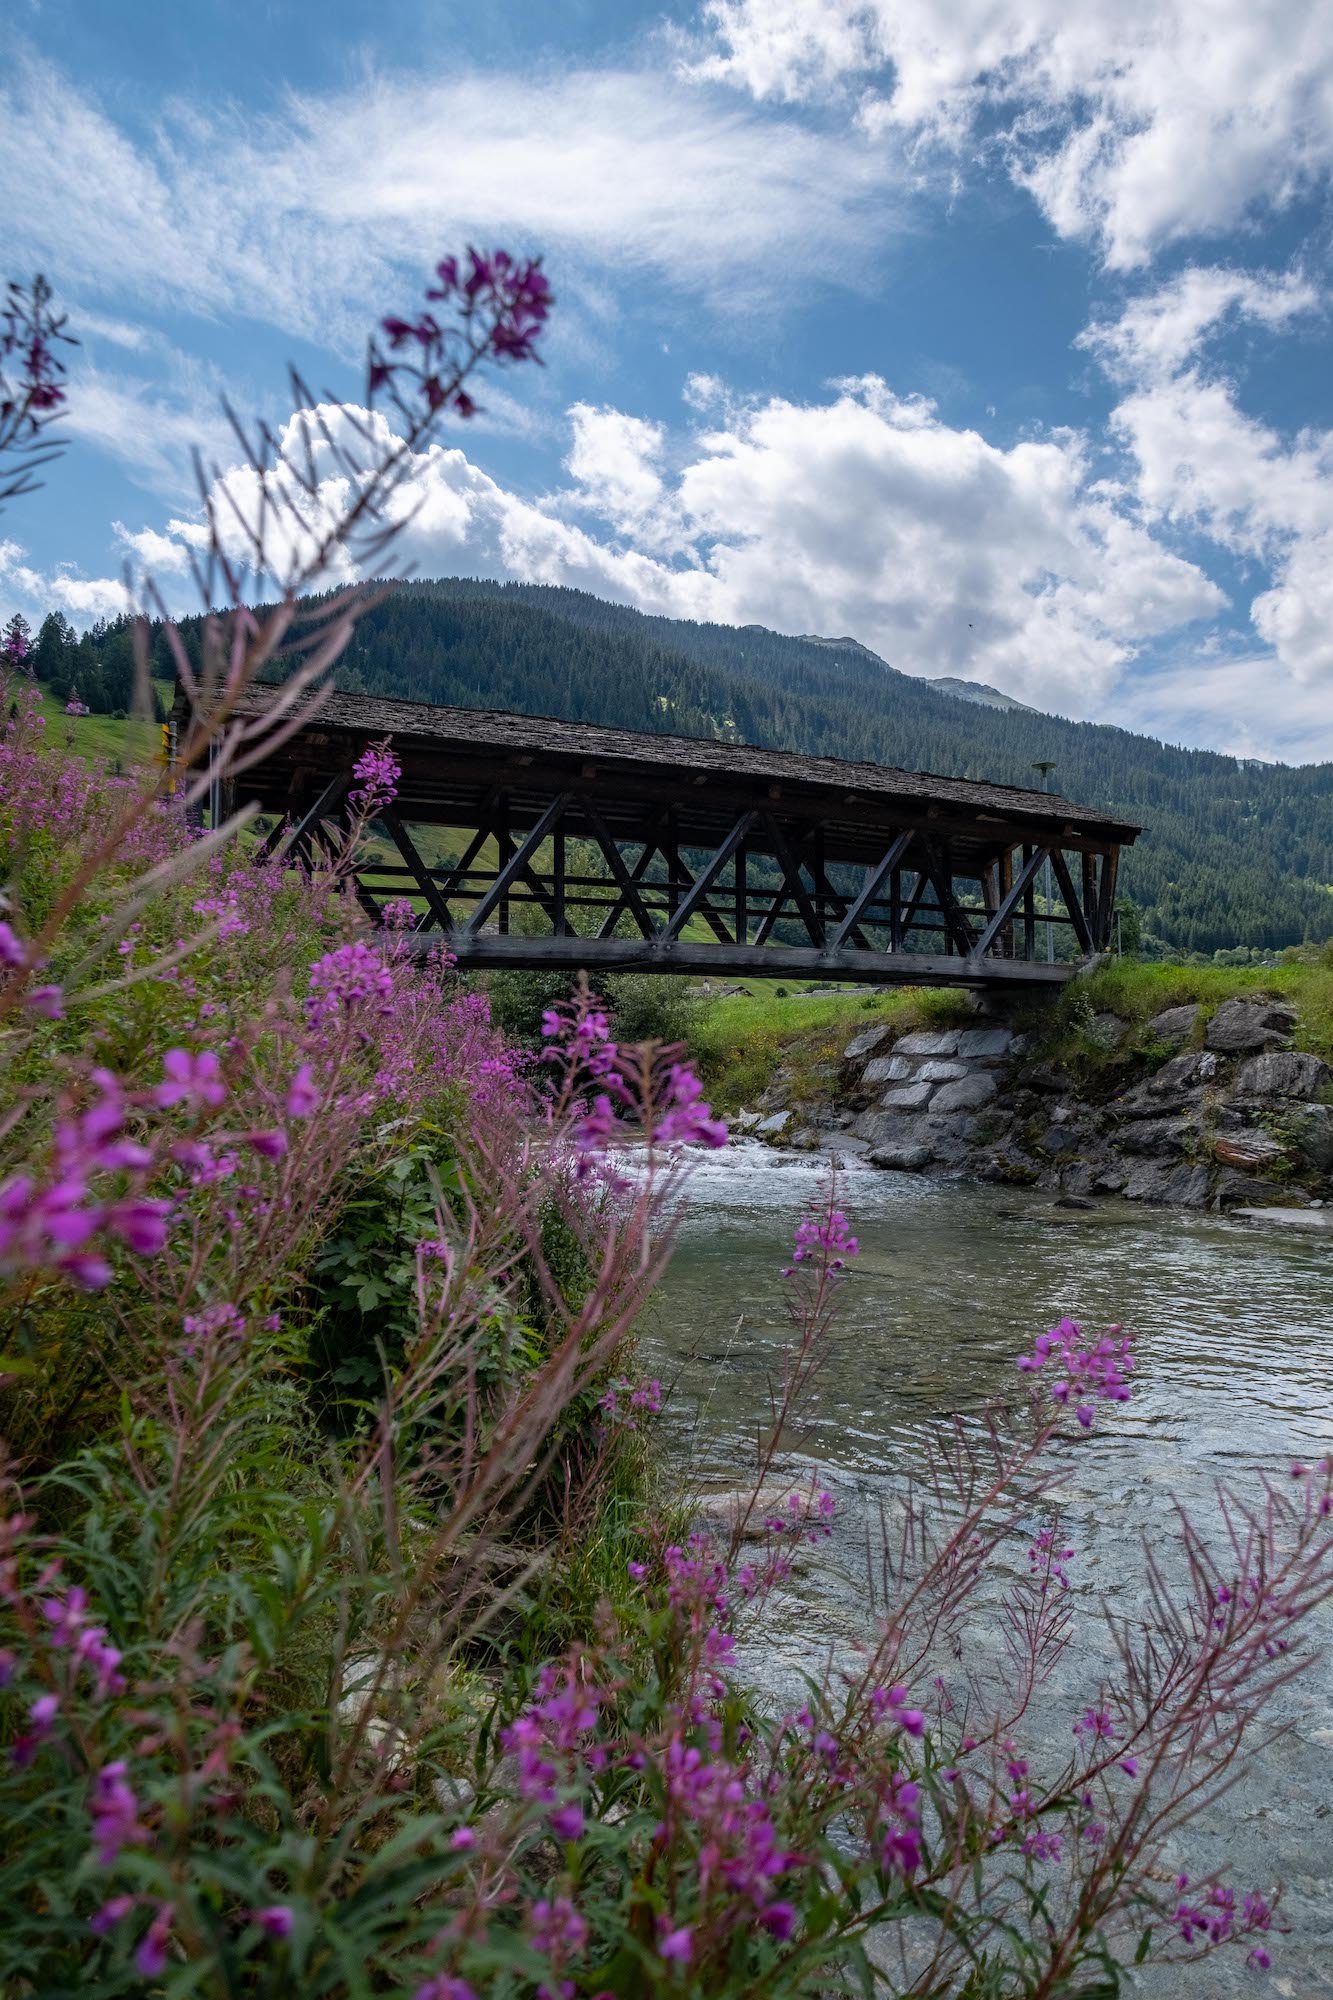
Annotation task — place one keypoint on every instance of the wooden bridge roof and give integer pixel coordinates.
(425, 735)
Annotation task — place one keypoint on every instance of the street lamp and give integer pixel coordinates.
(1046, 766)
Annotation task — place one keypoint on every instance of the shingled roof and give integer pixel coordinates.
(436, 729)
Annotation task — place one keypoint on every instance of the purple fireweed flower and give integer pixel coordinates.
(676, 1945)
(151, 1957)
(275, 1920)
(41, 1719)
(1086, 1373)
(445, 1987)
(397, 914)
(111, 1913)
(377, 773)
(346, 980)
(12, 952)
(823, 1239)
(302, 1093)
(557, 1927)
(462, 1839)
(566, 1822)
(269, 1145)
(48, 1001)
(190, 1079)
(686, 1119)
(1095, 1723)
(115, 1813)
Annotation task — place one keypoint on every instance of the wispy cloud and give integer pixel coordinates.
(305, 218)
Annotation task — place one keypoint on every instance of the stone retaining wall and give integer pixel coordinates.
(1234, 1119)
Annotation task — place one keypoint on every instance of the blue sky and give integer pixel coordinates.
(993, 333)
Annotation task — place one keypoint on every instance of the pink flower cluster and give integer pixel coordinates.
(825, 1240)
(377, 772)
(49, 1223)
(346, 983)
(501, 305)
(1086, 1373)
(663, 1095)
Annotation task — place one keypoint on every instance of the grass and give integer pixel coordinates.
(739, 1043)
(123, 742)
(1137, 991)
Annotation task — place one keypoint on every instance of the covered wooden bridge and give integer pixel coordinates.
(529, 842)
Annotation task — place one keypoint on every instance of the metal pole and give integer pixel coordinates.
(1046, 767)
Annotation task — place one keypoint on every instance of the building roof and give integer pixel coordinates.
(432, 730)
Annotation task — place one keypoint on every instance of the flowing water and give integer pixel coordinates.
(1234, 1345)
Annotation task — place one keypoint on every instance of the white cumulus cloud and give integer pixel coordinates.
(1138, 122)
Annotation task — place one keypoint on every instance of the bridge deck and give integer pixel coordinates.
(578, 845)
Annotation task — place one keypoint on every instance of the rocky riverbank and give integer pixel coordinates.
(1194, 1108)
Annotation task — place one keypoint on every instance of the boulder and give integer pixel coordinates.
(778, 1122)
(1237, 1190)
(1241, 1025)
(1165, 1186)
(968, 1094)
(1159, 1136)
(906, 1097)
(975, 1043)
(942, 1043)
(1283, 1073)
(940, 1069)
(1173, 1024)
(1108, 1029)
(1061, 1142)
(1318, 1220)
(866, 1043)
(1250, 1151)
(902, 1154)
(1051, 1078)
(888, 1069)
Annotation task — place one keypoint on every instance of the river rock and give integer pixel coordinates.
(777, 1122)
(940, 1069)
(902, 1155)
(1173, 1024)
(1240, 1190)
(1241, 1025)
(866, 1043)
(944, 1042)
(1159, 1135)
(1250, 1151)
(887, 1069)
(1061, 1142)
(1283, 1073)
(1315, 1219)
(968, 1094)
(906, 1097)
(1176, 1187)
(975, 1043)
(1108, 1029)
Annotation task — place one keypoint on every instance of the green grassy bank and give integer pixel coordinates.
(739, 1042)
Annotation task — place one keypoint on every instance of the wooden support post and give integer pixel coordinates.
(503, 853)
(1005, 937)
(629, 888)
(1090, 896)
(1035, 857)
(559, 918)
(742, 918)
(1106, 899)
(1029, 912)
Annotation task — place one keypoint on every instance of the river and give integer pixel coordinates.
(1233, 1327)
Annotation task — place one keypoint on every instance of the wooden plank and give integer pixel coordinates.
(483, 949)
(614, 859)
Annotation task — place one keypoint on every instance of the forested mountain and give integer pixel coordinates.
(1231, 854)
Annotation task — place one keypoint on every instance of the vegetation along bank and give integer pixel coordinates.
(1192, 1086)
